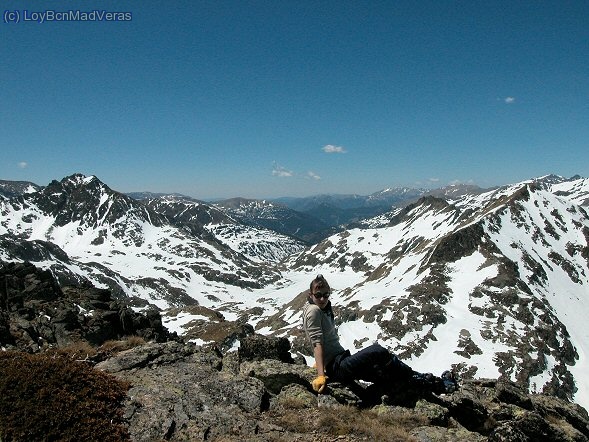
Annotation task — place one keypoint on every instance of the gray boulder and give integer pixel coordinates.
(37, 314)
(180, 392)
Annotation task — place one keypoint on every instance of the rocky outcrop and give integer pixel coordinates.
(180, 392)
(36, 313)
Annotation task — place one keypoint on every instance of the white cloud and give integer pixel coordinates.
(459, 182)
(23, 165)
(433, 180)
(509, 100)
(313, 175)
(330, 148)
(280, 171)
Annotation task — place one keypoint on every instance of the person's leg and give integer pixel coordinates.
(372, 364)
(397, 369)
(377, 365)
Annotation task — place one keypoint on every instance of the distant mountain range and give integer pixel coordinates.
(15, 188)
(155, 250)
(307, 219)
(337, 211)
(312, 219)
(490, 282)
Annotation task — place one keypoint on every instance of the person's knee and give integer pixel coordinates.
(378, 355)
(377, 349)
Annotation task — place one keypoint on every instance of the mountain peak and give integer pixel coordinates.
(17, 188)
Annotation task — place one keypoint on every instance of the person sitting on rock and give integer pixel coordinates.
(374, 364)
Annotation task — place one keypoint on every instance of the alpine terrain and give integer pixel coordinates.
(493, 284)
(84, 231)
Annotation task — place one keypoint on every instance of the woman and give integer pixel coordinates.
(373, 364)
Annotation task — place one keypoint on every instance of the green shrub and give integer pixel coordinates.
(51, 397)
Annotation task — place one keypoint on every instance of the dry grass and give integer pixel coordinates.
(79, 350)
(116, 346)
(83, 351)
(350, 421)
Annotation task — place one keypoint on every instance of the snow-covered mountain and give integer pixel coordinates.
(278, 217)
(577, 190)
(83, 230)
(13, 188)
(493, 283)
(257, 242)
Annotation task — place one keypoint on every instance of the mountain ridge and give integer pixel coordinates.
(113, 240)
(492, 283)
(469, 243)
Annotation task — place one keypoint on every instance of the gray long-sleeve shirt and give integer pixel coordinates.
(320, 329)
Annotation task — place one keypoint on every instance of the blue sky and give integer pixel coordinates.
(282, 98)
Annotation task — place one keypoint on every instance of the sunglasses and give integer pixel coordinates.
(321, 295)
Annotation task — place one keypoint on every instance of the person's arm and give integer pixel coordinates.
(319, 363)
(312, 325)
(320, 381)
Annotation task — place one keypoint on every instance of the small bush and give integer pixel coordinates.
(79, 350)
(50, 397)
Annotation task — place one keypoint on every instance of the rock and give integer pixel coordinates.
(513, 394)
(327, 401)
(503, 412)
(441, 434)
(182, 392)
(275, 374)
(24, 282)
(558, 410)
(435, 414)
(257, 347)
(224, 334)
(150, 355)
(293, 396)
(530, 426)
(350, 394)
(36, 313)
(179, 392)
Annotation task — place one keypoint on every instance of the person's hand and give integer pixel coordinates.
(319, 383)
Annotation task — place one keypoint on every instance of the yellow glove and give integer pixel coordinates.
(319, 383)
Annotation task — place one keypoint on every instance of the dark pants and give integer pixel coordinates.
(373, 364)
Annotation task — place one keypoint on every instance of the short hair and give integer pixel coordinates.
(319, 283)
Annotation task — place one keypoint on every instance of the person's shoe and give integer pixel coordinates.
(444, 384)
(449, 382)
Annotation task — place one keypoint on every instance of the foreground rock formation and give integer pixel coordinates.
(37, 314)
(181, 392)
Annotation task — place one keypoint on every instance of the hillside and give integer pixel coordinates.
(83, 230)
(491, 283)
(77, 350)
